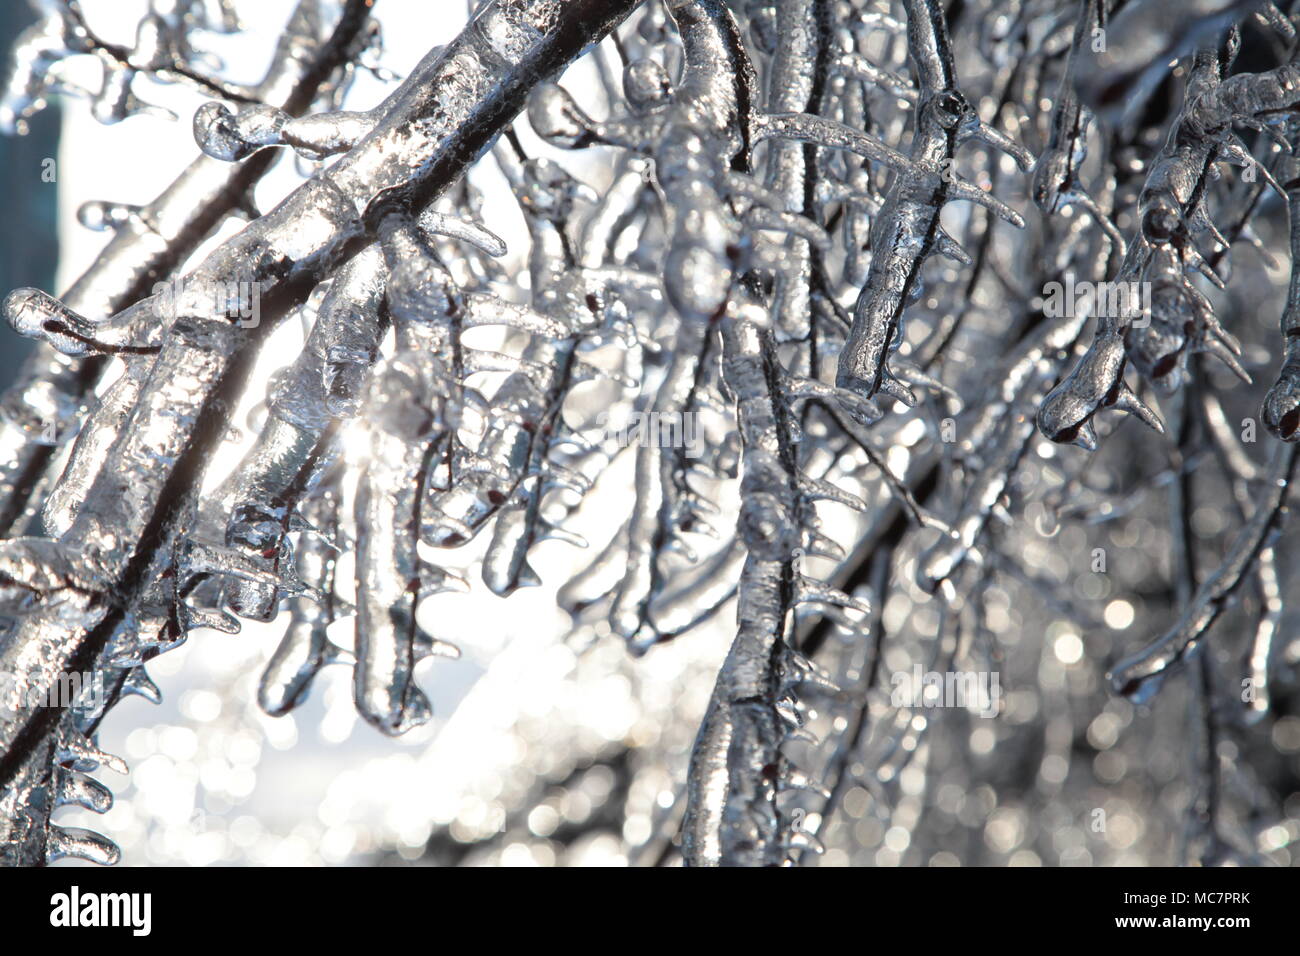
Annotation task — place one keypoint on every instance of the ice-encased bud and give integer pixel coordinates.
(38, 315)
(646, 85)
(223, 134)
(557, 119)
(1281, 410)
(100, 216)
(550, 192)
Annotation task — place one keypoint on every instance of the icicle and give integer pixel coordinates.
(305, 647)
(81, 844)
(405, 437)
(80, 752)
(139, 684)
(77, 789)
(524, 412)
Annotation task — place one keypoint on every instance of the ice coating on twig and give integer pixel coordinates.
(1281, 410)
(904, 234)
(1140, 674)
